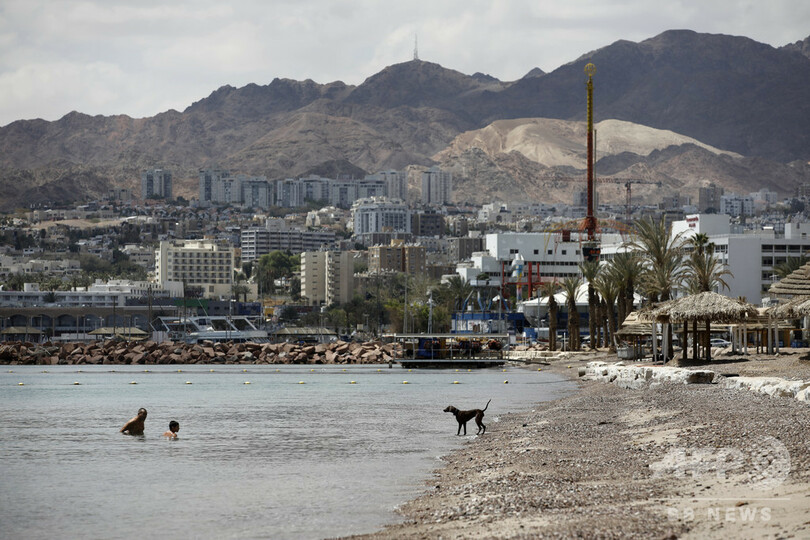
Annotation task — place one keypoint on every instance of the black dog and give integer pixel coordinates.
(462, 417)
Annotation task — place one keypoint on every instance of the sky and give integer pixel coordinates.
(144, 57)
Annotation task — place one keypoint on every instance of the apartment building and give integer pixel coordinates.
(207, 264)
(427, 223)
(379, 215)
(156, 183)
(327, 277)
(293, 192)
(437, 186)
(276, 235)
(397, 257)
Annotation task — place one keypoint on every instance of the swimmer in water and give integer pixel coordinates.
(136, 425)
(174, 427)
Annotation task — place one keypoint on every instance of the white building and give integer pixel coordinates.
(380, 214)
(552, 256)
(736, 205)
(437, 186)
(751, 257)
(327, 277)
(206, 264)
(276, 235)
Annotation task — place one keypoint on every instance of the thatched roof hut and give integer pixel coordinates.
(701, 307)
(705, 308)
(797, 283)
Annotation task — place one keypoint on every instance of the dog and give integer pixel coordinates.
(462, 417)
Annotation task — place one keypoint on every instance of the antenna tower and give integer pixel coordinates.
(415, 48)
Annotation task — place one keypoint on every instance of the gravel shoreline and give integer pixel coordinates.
(667, 461)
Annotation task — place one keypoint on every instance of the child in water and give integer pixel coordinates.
(174, 427)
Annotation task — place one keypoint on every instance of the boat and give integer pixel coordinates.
(235, 329)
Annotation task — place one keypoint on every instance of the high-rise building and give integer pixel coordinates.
(327, 277)
(156, 183)
(437, 186)
(709, 198)
(208, 179)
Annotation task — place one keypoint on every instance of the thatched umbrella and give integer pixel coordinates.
(633, 329)
(797, 283)
(705, 307)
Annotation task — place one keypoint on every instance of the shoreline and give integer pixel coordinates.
(666, 461)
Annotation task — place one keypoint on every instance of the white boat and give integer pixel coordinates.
(221, 328)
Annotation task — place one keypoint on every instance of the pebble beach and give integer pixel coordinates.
(659, 461)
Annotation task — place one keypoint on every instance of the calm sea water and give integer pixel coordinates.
(269, 459)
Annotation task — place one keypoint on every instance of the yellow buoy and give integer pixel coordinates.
(276, 370)
(505, 382)
(146, 371)
(211, 370)
(133, 382)
(188, 382)
(410, 370)
(243, 371)
(352, 382)
(504, 371)
(11, 371)
(539, 369)
(379, 370)
(301, 382)
(79, 371)
(179, 371)
(404, 382)
(469, 370)
(20, 384)
(455, 382)
(44, 371)
(311, 370)
(343, 370)
(76, 383)
(569, 367)
(247, 382)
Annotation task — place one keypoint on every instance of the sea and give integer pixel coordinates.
(263, 451)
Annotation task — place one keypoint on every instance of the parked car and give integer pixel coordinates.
(719, 342)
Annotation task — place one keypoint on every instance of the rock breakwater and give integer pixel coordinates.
(150, 352)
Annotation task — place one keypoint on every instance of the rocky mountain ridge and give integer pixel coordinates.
(711, 91)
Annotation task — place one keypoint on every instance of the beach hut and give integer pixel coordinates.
(633, 331)
(794, 293)
(705, 308)
(129, 333)
(21, 333)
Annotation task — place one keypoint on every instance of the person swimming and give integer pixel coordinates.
(136, 425)
(174, 427)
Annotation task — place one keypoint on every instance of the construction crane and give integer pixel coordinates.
(628, 183)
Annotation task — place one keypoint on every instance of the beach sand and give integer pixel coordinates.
(667, 461)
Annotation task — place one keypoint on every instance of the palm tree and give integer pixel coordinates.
(608, 288)
(704, 273)
(662, 254)
(589, 270)
(570, 287)
(625, 269)
(455, 291)
(547, 290)
(788, 267)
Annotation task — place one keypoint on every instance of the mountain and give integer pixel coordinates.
(712, 93)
